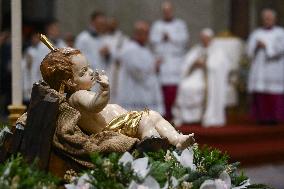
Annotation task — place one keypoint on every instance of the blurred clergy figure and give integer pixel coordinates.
(234, 48)
(201, 94)
(92, 42)
(115, 42)
(138, 85)
(266, 78)
(169, 38)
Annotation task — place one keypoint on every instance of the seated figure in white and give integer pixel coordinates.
(202, 91)
(234, 51)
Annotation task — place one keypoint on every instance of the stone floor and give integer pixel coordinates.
(269, 174)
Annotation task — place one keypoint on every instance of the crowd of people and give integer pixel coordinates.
(155, 69)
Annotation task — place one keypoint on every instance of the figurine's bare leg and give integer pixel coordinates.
(165, 129)
(147, 128)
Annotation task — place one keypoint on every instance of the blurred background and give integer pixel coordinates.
(224, 88)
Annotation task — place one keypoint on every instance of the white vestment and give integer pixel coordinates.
(196, 104)
(172, 51)
(90, 46)
(33, 74)
(234, 50)
(267, 68)
(138, 85)
(29, 71)
(115, 42)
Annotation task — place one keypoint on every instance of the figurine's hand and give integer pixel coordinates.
(102, 79)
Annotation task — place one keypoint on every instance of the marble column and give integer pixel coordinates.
(16, 108)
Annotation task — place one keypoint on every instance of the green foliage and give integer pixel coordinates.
(156, 156)
(108, 173)
(205, 158)
(162, 168)
(15, 173)
(238, 179)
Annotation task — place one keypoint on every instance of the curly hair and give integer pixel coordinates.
(56, 68)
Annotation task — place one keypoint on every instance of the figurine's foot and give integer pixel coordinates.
(185, 141)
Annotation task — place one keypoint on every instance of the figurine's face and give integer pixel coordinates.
(83, 74)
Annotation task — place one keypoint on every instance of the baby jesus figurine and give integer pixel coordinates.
(67, 71)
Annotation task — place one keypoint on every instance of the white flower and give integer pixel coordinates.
(126, 158)
(224, 176)
(224, 182)
(82, 183)
(149, 183)
(214, 184)
(139, 166)
(186, 158)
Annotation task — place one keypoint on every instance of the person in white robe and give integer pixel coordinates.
(202, 91)
(35, 54)
(169, 38)
(116, 40)
(29, 67)
(92, 42)
(138, 85)
(234, 50)
(266, 77)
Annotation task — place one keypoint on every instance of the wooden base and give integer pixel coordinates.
(15, 112)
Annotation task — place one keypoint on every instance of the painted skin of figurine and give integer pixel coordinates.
(95, 111)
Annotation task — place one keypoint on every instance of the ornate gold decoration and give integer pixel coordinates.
(44, 39)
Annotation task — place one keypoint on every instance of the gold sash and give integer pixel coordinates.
(126, 124)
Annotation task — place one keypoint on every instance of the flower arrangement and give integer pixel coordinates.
(191, 168)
